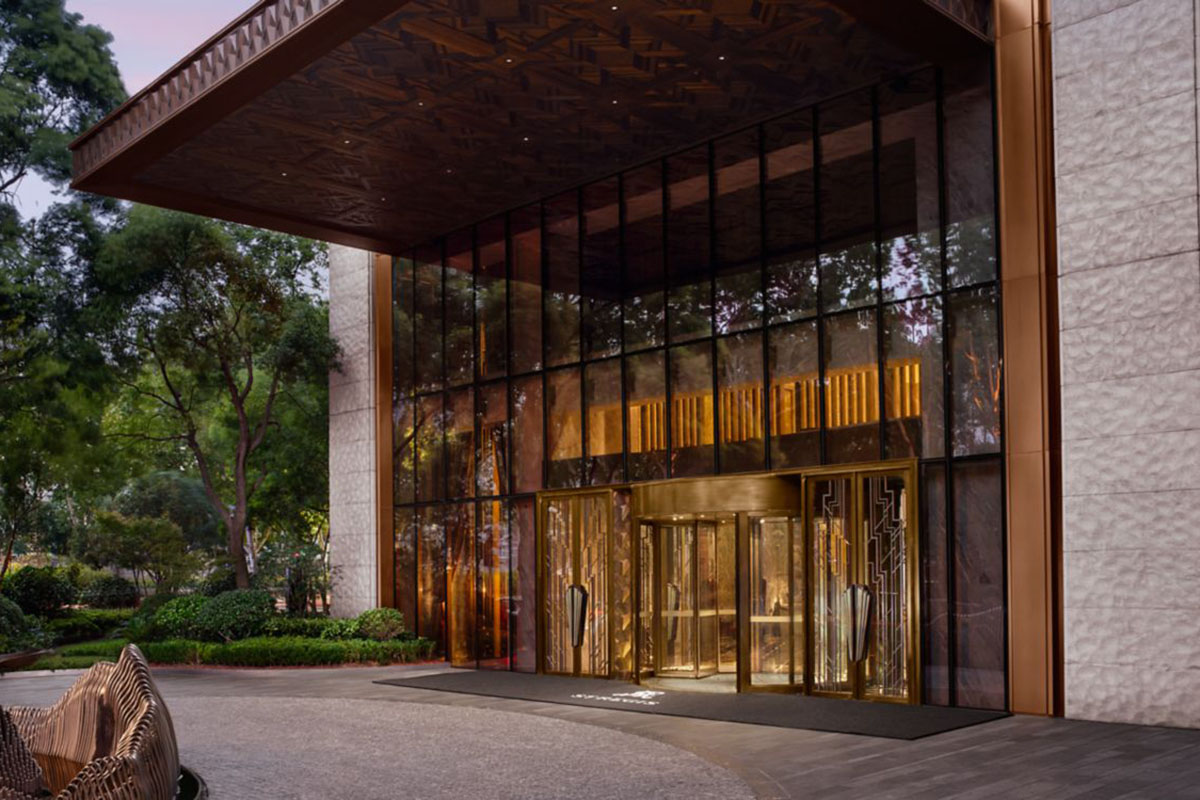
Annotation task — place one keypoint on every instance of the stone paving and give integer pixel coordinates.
(333, 733)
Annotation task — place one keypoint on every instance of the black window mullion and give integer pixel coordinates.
(880, 357)
(823, 434)
(669, 410)
(947, 408)
(621, 278)
(767, 403)
(712, 304)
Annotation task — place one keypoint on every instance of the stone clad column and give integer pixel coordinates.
(1129, 289)
(352, 434)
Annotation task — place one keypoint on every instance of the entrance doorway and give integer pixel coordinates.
(688, 599)
(693, 586)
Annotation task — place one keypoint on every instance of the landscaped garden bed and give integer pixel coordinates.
(237, 628)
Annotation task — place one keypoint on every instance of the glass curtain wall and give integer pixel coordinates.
(820, 288)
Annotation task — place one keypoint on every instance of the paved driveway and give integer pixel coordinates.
(332, 733)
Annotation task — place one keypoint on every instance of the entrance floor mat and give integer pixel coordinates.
(887, 720)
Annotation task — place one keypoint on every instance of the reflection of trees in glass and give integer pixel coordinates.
(912, 265)
(913, 332)
(848, 276)
(976, 370)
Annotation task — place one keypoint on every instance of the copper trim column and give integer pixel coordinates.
(381, 313)
(1031, 369)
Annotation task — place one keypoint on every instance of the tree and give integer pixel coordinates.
(151, 545)
(177, 497)
(57, 77)
(223, 325)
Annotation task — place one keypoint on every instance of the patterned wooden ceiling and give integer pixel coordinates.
(447, 112)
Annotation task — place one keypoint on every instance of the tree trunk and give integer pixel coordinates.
(236, 531)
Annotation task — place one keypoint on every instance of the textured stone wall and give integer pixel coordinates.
(352, 488)
(1125, 96)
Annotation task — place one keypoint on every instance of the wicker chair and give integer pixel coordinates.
(20, 775)
(113, 725)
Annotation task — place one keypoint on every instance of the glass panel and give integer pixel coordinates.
(404, 449)
(431, 470)
(691, 410)
(770, 601)
(593, 576)
(528, 436)
(524, 589)
(431, 577)
(526, 289)
(622, 585)
(493, 553)
(645, 305)
(830, 501)
(708, 632)
(460, 308)
(405, 570)
(601, 279)
(970, 175)
(403, 381)
(979, 672)
(491, 474)
(460, 538)
(847, 181)
(975, 370)
(677, 599)
(646, 415)
(851, 388)
(727, 654)
(791, 218)
(460, 443)
(491, 293)
(740, 382)
(738, 232)
(690, 298)
(885, 550)
(559, 570)
(429, 319)
(562, 279)
(646, 567)
(910, 216)
(799, 600)
(795, 396)
(602, 394)
(935, 607)
(564, 438)
(913, 401)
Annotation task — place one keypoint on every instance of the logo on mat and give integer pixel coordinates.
(644, 697)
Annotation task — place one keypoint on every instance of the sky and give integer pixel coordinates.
(149, 36)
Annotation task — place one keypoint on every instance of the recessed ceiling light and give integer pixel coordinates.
(525, 139)
(284, 174)
(449, 172)
(420, 102)
(383, 199)
(614, 102)
(720, 58)
(508, 61)
(614, 8)
(345, 141)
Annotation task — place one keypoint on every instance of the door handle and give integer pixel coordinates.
(577, 598)
(858, 613)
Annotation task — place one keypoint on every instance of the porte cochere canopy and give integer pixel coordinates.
(382, 123)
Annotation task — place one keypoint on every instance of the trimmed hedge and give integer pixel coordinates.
(239, 614)
(261, 651)
(83, 624)
(381, 624)
(178, 618)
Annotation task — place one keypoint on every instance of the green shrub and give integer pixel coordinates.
(381, 624)
(82, 576)
(82, 624)
(311, 627)
(341, 629)
(39, 590)
(12, 619)
(239, 614)
(172, 651)
(108, 648)
(294, 651)
(219, 581)
(179, 617)
(110, 591)
(142, 626)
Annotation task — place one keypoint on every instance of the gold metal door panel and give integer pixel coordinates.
(830, 502)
